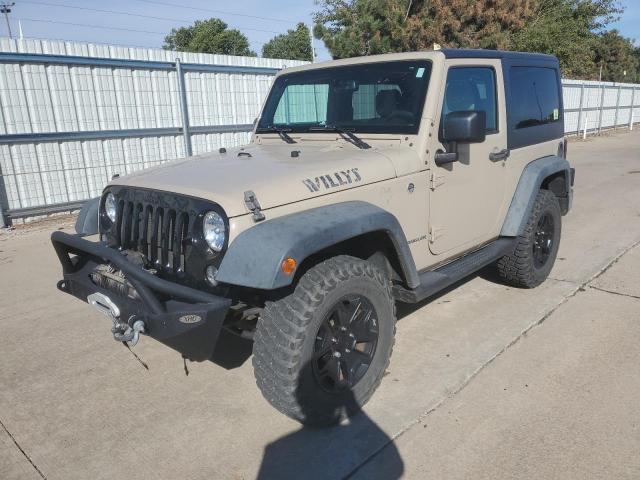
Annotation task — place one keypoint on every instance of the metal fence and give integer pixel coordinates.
(74, 114)
(594, 106)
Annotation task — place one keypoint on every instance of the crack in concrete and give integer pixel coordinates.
(614, 292)
(22, 450)
(580, 287)
(562, 280)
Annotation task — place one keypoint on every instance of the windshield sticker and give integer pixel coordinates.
(420, 72)
(333, 180)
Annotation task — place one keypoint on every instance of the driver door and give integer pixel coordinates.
(467, 197)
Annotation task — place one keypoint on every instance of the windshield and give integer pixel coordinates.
(384, 97)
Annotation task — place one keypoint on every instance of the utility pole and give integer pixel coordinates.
(600, 76)
(313, 50)
(6, 9)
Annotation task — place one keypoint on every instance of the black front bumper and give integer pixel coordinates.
(183, 318)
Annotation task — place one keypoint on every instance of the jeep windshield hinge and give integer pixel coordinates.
(435, 180)
(252, 203)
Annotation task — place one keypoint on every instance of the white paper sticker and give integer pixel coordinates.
(555, 113)
(420, 72)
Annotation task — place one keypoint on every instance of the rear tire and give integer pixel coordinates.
(321, 352)
(533, 258)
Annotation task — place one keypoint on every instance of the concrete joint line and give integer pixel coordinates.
(628, 295)
(579, 288)
(22, 451)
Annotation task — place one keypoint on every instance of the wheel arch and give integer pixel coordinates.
(551, 173)
(354, 228)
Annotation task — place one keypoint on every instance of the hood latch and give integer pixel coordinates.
(252, 203)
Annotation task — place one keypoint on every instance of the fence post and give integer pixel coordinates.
(615, 121)
(601, 109)
(586, 120)
(633, 102)
(4, 204)
(188, 151)
(580, 109)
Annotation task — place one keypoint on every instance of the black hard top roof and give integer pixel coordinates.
(478, 53)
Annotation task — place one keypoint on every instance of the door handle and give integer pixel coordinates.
(501, 155)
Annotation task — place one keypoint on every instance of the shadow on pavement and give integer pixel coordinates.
(231, 350)
(328, 452)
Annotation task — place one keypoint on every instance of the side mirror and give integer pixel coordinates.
(465, 127)
(461, 127)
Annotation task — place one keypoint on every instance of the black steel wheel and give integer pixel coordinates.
(543, 240)
(345, 343)
(535, 253)
(321, 352)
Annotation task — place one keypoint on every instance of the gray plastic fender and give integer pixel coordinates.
(87, 221)
(527, 190)
(254, 257)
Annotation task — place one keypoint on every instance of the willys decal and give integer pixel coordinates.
(333, 180)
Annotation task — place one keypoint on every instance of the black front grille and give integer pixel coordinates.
(159, 233)
(166, 229)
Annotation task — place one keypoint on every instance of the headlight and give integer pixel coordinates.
(214, 231)
(111, 207)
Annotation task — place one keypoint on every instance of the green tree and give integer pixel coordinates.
(208, 36)
(294, 45)
(364, 27)
(618, 58)
(573, 30)
(570, 30)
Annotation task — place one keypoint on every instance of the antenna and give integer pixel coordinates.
(6, 9)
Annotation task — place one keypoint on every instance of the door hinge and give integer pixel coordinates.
(435, 232)
(435, 180)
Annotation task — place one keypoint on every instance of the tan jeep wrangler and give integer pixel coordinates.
(367, 181)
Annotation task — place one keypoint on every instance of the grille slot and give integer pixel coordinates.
(158, 233)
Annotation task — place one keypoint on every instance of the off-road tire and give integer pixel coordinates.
(287, 329)
(519, 269)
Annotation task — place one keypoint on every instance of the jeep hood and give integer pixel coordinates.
(276, 177)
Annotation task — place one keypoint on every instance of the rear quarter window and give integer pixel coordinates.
(535, 96)
(534, 102)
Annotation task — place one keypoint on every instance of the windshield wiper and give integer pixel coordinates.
(280, 131)
(358, 142)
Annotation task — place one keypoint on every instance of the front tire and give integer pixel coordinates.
(321, 352)
(535, 253)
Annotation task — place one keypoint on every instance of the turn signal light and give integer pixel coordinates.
(288, 266)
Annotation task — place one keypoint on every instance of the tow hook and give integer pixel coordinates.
(128, 332)
(123, 332)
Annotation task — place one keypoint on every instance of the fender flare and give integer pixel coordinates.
(525, 194)
(254, 257)
(87, 221)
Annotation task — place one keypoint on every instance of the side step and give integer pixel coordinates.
(433, 281)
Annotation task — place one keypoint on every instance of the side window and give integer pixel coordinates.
(535, 98)
(471, 88)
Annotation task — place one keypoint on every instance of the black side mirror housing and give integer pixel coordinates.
(461, 127)
(465, 127)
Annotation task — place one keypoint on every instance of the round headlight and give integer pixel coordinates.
(110, 207)
(214, 231)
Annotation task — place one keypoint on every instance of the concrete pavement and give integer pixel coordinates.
(74, 404)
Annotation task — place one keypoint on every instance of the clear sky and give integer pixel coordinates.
(129, 22)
